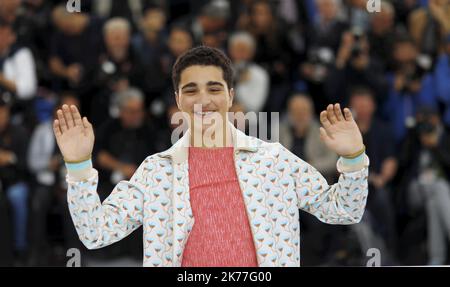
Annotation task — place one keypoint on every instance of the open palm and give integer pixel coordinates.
(74, 135)
(339, 131)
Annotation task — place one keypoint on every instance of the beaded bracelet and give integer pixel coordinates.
(356, 154)
(78, 161)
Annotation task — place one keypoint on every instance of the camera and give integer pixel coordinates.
(320, 58)
(425, 123)
(422, 65)
(425, 127)
(357, 47)
(109, 73)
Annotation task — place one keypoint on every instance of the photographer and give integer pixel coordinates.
(119, 67)
(425, 161)
(252, 81)
(117, 159)
(354, 67)
(47, 187)
(380, 210)
(274, 50)
(74, 50)
(410, 86)
(328, 27)
(17, 68)
(5, 236)
(13, 176)
(323, 38)
(442, 83)
(381, 34)
(429, 26)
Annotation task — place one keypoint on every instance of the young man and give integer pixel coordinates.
(242, 193)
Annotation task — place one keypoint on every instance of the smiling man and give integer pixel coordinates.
(233, 202)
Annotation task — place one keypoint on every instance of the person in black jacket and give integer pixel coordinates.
(13, 149)
(425, 161)
(354, 67)
(5, 235)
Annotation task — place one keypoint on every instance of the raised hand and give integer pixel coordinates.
(339, 131)
(74, 135)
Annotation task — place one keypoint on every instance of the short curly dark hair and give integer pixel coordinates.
(203, 56)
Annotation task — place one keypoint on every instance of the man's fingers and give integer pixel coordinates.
(86, 123)
(330, 114)
(76, 116)
(348, 115)
(56, 128)
(62, 121)
(68, 116)
(324, 120)
(87, 126)
(324, 135)
(338, 112)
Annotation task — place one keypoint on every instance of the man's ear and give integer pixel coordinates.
(177, 99)
(231, 95)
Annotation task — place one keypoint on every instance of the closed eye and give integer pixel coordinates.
(190, 91)
(215, 89)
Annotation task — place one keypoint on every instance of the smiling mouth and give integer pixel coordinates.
(203, 114)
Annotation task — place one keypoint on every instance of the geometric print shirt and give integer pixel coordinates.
(274, 182)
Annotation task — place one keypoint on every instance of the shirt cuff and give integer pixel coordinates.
(354, 164)
(79, 171)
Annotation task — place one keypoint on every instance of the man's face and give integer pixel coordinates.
(205, 86)
(262, 16)
(72, 23)
(405, 54)
(117, 42)
(327, 9)
(132, 114)
(240, 51)
(8, 10)
(300, 112)
(154, 20)
(363, 106)
(382, 22)
(7, 38)
(179, 42)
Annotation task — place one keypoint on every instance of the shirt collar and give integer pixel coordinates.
(179, 151)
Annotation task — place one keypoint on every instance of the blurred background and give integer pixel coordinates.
(113, 60)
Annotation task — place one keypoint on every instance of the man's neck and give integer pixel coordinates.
(300, 131)
(119, 57)
(209, 140)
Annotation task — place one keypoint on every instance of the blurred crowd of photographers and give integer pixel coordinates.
(113, 60)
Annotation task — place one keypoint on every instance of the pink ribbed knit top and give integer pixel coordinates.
(221, 235)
